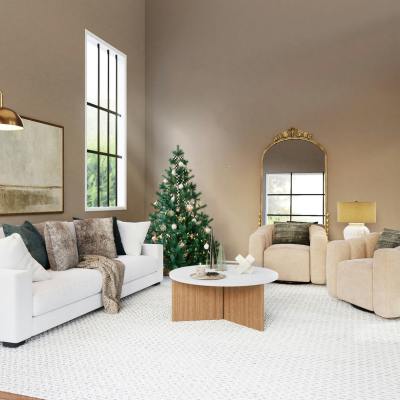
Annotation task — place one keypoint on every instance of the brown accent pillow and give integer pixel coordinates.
(291, 232)
(61, 245)
(95, 236)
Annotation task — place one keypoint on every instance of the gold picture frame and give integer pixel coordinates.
(295, 134)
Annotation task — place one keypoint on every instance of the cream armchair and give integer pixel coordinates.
(293, 262)
(366, 278)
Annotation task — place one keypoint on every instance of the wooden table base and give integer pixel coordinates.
(243, 305)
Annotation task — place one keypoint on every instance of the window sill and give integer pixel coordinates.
(99, 209)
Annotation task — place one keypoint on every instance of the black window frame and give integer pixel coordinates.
(291, 195)
(114, 156)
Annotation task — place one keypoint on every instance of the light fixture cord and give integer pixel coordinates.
(1, 99)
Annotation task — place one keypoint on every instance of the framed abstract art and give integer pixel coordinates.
(31, 169)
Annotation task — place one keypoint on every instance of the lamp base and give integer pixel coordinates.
(354, 230)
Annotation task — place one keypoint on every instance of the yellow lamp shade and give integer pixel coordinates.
(356, 211)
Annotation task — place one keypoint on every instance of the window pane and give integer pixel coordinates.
(305, 218)
(271, 219)
(103, 77)
(278, 183)
(91, 72)
(112, 134)
(112, 81)
(103, 181)
(308, 183)
(307, 205)
(91, 115)
(103, 131)
(91, 192)
(113, 182)
(278, 205)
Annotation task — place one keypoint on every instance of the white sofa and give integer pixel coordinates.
(27, 309)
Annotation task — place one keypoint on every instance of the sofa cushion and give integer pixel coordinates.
(65, 287)
(95, 237)
(133, 235)
(75, 284)
(33, 241)
(291, 261)
(117, 236)
(354, 282)
(15, 255)
(61, 245)
(138, 266)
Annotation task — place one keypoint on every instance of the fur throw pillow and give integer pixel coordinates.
(61, 245)
(95, 236)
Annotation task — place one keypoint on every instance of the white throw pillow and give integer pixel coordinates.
(133, 235)
(15, 255)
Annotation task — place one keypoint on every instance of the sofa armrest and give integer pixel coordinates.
(259, 241)
(155, 250)
(337, 251)
(318, 247)
(386, 283)
(15, 305)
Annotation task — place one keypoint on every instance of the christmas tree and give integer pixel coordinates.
(178, 221)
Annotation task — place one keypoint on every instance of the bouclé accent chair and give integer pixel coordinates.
(293, 262)
(363, 276)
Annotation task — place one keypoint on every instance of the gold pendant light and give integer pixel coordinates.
(9, 119)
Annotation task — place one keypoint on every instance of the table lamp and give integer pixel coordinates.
(356, 214)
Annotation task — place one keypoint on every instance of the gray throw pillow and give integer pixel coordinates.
(389, 238)
(61, 245)
(95, 237)
(291, 232)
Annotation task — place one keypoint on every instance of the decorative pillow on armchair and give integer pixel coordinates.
(95, 237)
(61, 245)
(291, 232)
(389, 238)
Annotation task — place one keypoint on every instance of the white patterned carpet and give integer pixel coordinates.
(313, 347)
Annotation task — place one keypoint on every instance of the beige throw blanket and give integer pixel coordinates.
(112, 272)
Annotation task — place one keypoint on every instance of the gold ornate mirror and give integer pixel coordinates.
(293, 184)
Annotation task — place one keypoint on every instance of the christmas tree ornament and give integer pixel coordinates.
(180, 186)
(173, 172)
(207, 230)
(163, 228)
(165, 181)
(206, 246)
(173, 226)
(170, 213)
(189, 207)
(181, 164)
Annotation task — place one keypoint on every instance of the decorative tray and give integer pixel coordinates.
(213, 277)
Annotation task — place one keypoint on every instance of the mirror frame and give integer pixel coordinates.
(294, 134)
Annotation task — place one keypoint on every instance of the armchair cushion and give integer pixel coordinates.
(291, 261)
(389, 238)
(291, 232)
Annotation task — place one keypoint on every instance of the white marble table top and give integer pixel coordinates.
(259, 276)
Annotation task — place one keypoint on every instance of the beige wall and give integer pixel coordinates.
(42, 74)
(225, 76)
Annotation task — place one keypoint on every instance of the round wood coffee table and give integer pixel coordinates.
(237, 298)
